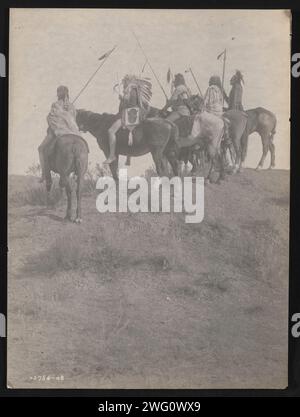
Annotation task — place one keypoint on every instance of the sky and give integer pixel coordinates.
(50, 47)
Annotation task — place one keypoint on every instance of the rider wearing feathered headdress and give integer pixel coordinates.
(136, 93)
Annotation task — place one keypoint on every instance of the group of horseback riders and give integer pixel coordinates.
(135, 107)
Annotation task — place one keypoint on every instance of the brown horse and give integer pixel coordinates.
(264, 123)
(242, 124)
(154, 135)
(69, 155)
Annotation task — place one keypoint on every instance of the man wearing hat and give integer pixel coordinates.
(61, 121)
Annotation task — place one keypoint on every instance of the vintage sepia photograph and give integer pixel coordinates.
(148, 198)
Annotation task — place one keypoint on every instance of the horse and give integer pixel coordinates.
(68, 155)
(263, 122)
(207, 133)
(243, 124)
(154, 135)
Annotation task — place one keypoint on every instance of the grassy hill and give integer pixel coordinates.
(146, 300)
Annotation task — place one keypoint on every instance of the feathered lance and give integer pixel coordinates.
(103, 59)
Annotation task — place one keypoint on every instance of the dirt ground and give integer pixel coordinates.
(148, 301)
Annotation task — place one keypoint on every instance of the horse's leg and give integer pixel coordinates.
(81, 165)
(193, 161)
(244, 148)
(181, 168)
(157, 156)
(232, 154)
(171, 156)
(237, 149)
(208, 178)
(114, 168)
(200, 159)
(211, 155)
(272, 151)
(165, 166)
(221, 165)
(181, 161)
(78, 218)
(65, 182)
(265, 137)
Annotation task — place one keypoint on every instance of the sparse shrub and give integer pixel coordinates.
(71, 252)
(64, 254)
(91, 177)
(150, 172)
(35, 170)
(36, 195)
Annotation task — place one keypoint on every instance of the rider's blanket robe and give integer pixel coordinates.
(213, 100)
(62, 119)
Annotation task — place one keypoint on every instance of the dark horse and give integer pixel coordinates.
(154, 135)
(242, 124)
(69, 155)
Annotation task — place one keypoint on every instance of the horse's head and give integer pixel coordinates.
(83, 119)
(197, 103)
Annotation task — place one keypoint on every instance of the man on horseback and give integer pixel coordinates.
(236, 92)
(179, 100)
(61, 121)
(213, 99)
(136, 95)
(213, 102)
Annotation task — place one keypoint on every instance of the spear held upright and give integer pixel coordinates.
(150, 66)
(223, 72)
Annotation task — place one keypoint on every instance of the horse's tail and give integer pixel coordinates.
(80, 151)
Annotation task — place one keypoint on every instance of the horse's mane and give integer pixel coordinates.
(97, 121)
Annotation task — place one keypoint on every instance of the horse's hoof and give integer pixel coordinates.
(67, 218)
(258, 168)
(78, 220)
(271, 167)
